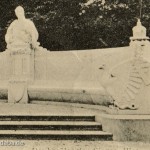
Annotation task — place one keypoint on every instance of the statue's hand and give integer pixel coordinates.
(35, 45)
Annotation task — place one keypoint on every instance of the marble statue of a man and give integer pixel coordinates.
(22, 34)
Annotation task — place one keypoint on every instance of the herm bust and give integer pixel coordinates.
(22, 34)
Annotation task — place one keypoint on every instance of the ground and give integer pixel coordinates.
(76, 145)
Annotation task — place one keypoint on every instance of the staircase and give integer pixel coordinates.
(52, 128)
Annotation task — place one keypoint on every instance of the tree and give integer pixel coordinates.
(78, 24)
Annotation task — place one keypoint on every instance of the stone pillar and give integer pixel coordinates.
(139, 37)
(22, 64)
(17, 91)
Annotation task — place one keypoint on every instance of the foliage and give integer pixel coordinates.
(78, 24)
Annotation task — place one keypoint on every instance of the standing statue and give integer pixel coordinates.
(22, 34)
(21, 39)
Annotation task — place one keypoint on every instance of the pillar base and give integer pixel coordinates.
(17, 92)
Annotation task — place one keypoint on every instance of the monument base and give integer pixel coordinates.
(126, 127)
(17, 92)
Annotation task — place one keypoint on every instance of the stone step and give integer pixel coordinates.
(50, 125)
(55, 135)
(55, 127)
(46, 118)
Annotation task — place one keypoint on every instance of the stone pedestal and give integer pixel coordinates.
(17, 92)
(22, 67)
(126, 127)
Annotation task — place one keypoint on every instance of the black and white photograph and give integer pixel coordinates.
(74, 74)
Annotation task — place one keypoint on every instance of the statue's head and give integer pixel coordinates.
(20, 12)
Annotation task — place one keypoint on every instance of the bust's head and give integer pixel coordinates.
(20, 12)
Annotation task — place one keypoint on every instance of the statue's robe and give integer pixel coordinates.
(21, 35)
